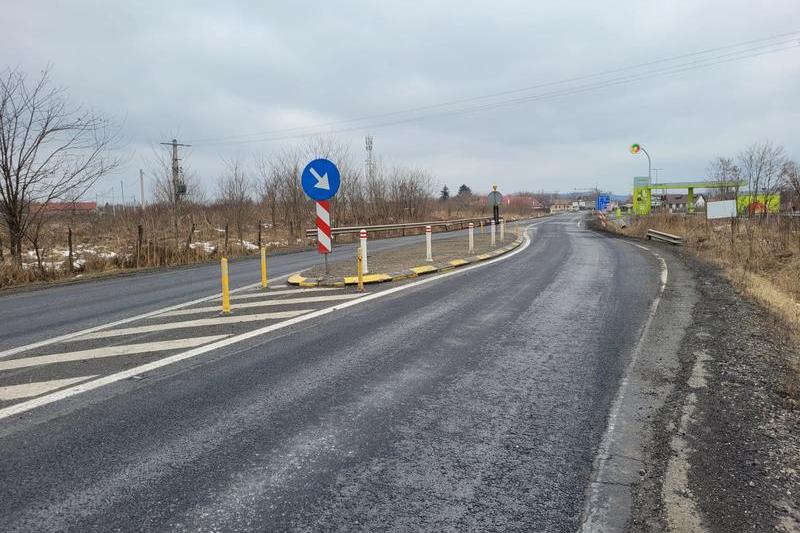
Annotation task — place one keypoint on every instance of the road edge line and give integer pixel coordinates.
(603, 451)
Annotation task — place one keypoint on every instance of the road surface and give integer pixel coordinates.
(476, 401)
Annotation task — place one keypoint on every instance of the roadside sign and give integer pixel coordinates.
(494, 198)
(324, 227)
(602, 202)
(320, 179)
(722, 209)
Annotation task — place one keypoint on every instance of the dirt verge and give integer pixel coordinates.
(730, 416)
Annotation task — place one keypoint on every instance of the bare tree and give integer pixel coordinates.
(268, 189)
(723, 170)
(234, 190)
(285, 169)
(164, 186)
(48, 150)
(762, 165)
(791, 175)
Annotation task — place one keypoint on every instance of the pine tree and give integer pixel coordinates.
(445, 194)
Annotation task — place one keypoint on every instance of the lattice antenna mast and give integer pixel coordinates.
(370, 161)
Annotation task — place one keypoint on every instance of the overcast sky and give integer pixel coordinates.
(209, 70)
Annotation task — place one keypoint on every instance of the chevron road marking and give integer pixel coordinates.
(108, 351)
(266, 303)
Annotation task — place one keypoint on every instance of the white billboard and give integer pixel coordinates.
(721, 209)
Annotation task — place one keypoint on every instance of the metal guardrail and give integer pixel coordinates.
(347, 230)
(664, 237)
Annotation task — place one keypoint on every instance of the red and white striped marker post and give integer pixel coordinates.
(429, 255)
(324, 245)
(471, 237)
(363, 237)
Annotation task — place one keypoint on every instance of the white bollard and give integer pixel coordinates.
(363, 235)
(502, 230)
(471, 237)
(429, 256)
(493, 225)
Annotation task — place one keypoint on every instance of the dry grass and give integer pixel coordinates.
(761, 258)
(106, 242)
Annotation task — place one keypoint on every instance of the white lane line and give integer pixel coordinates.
(108, 351)
(68, 336)
(281, 286)
(266, 303)
(262, 294)
(603, 454)
(199, 323)
(26, 390)
(127, 374)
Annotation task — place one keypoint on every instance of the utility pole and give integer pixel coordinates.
(178, 185)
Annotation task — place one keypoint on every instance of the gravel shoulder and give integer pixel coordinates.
(729, 417)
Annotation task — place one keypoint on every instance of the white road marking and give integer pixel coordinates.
(128, 320)
(199, 323)
(603, 452)
(263, 294)
(26, 390)
(108, 351)
(266, 303)
(155, 365)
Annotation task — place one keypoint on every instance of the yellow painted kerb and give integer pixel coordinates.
(424, 269)
(368, 278)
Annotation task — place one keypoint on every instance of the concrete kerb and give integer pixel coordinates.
(413, 272)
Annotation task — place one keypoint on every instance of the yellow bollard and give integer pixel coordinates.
(360, 268)
(226, 296)
(263, 267)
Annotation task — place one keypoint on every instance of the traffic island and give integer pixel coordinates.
(406, 262)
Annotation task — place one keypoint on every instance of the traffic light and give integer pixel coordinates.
(635, 148)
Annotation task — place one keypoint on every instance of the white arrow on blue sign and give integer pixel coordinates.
(320, 179)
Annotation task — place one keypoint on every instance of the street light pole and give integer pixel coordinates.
(649, 165)
(635, 149)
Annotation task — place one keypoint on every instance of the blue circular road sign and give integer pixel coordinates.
(320, 179)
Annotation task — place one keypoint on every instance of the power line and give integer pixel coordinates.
(676, 69)
(768, 45)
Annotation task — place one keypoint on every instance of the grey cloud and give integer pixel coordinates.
(213, 69)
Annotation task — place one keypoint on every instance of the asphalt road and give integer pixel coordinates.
(472, 402)
(29, 316)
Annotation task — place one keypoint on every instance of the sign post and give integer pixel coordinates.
(471, 237)
(428, 254)
(321, 180)
(494, 200)
(363, 238)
